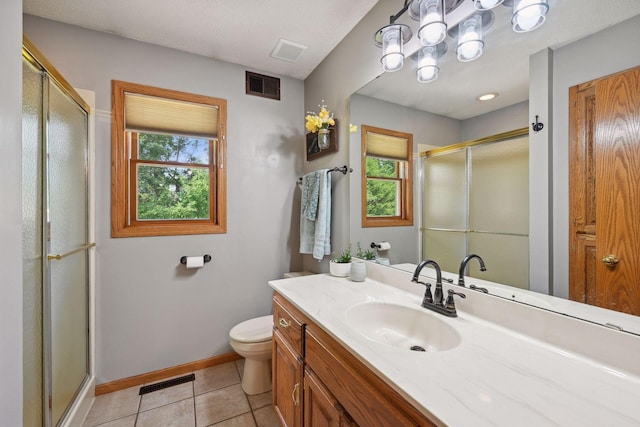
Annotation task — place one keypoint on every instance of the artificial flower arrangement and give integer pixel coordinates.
(322, 120)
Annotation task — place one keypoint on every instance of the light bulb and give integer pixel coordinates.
(470, 44)
(392, 55)
(433, 29)
(427, 65)
(487, 4)
(528, 15)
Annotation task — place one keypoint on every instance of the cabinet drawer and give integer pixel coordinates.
(289, 322)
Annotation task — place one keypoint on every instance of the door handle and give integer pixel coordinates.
(610, 260)
(76, 250)
(295, 394)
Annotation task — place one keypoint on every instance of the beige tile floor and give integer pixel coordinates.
(215, 398)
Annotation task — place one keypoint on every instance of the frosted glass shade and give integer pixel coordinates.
(528, 14)
(392, 54)
(427, 65)
(470, 43)
(487, 4)
(433, 29)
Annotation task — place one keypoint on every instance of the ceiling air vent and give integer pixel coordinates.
(261, 85)
(288, 51)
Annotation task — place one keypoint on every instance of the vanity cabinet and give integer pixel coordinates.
(287, 366)
(338, 389)
(321, 409)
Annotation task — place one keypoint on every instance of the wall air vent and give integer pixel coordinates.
(261, 85)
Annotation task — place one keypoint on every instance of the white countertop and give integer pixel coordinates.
(495, 377)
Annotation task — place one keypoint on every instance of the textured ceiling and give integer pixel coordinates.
(242, 32)
(246, 32)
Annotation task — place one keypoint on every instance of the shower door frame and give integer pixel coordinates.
(79, 402)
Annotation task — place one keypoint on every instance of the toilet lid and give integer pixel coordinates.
(253, 330)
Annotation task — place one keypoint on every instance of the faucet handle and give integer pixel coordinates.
(428, 298)
(450, 304)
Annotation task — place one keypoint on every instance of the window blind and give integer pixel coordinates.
(386, 146)
(153, 114)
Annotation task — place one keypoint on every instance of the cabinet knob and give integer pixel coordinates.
(295, 394)
(610, 260)
(283, 322)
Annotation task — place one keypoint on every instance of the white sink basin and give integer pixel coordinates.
(402, 327)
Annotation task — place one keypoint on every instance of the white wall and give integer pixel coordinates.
(150, 312)
(352, 64)
(503, 120)
(611, 50)
(11, 214)
(427, 128)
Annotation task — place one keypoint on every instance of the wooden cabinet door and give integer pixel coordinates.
(287, 370)
(321, 409)
(605, 192)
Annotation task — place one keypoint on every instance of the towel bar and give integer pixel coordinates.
(344, 169)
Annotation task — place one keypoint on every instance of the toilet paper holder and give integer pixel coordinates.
(380, 246)
(206, 257)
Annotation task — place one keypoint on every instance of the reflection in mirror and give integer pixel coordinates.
(476, 200)
(445, 112)
(387, 177)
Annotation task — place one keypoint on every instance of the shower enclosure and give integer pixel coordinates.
(56, 244)
(476, 200)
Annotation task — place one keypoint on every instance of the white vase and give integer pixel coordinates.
(358, 271)
(339, 269)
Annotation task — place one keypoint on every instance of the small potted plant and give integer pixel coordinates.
(341, 265)
(366, 254)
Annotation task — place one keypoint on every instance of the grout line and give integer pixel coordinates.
(193, 392)
(135, 423)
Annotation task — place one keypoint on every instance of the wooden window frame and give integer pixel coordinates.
(123, 191)
(406, 184)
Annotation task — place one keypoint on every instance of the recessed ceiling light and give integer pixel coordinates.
(486, 96)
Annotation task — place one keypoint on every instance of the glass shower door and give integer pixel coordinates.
(32, 242)
(445, 219)
(68, 273)
(476, 200)
(499, 211)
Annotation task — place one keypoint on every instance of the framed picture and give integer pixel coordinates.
(314, 152)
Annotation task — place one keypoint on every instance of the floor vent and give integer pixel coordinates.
(261, 85)
(166, 384)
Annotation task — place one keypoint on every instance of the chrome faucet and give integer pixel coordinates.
(463, 266)
(436, 301)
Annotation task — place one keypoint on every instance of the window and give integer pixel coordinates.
(168, 166)
(387, 176)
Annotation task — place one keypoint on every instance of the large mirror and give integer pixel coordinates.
(579, 42)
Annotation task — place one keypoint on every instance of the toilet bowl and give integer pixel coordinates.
(252, 339)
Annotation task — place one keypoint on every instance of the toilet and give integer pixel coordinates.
(252, 340)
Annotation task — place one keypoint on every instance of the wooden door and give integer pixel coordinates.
(605, 192)
(287, 383)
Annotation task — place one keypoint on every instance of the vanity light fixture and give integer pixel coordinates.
(433, 29)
